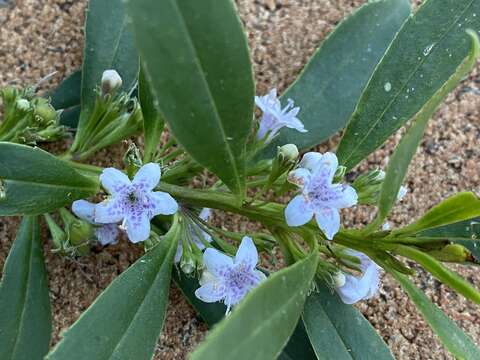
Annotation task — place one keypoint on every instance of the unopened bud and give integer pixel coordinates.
(339, 279)
(187, 264)
(46, 112)
(23, 105)
(111, 81)
(289, 151)
(452, 253)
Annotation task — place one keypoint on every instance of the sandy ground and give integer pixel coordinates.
(38, 37)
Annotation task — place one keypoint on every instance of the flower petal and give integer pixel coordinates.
(328, 220)
(298, 211)
(300, 177)
(402, 192)
(356, 289)
(247, 254)
(162, 203)
(205, 214)
(147, 177)
(107, 234)
(346, 197)
(310, 161)
(217, 263)
(326, 168)
(138, 227)
(210, 292)
(85, 210)
(109, 211)
(179, 253)
(114, 181)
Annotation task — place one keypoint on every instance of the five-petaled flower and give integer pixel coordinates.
(362, 287)
(319, 196)
(195, 232)
(105, 233)
(229, 279)
(274, 117)
(134, 203)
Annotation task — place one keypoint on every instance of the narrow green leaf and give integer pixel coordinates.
(466, 233)
(152, 119)
(330, 85)
(35, 182)
(125, 321)
(441, 272)
(398, 165)
(339, 331)
(298, 346)
(25, 316)
(196, 59)
(108, 45)
(67, 94)
(260, 326)
(459, 344)
(421, 59)
(459, 207)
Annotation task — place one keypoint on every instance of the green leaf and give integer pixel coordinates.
(298, 346)
(459, 207)
(196, 59)
(465, 233)
(459, 344)
(67, 94)
(67, 97)
(421, 59)
(35, 182)
(330, 85)
(339, 331)
(108, 45)
(262, 323)
(152, 119)
(25, 316)
(125, 321)
(398, 164)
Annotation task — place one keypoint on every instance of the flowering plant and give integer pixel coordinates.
(181, 69)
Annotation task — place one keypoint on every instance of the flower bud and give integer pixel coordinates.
(111, 81)
(46, 112)
(58, 235)
(289, 152)
(452, 253)
(23, 105)
(339, 279)
(79, 232)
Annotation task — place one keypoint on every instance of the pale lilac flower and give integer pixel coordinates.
(229, 279)
(402, 192)
(134, 203)
(362, 287)
(274, 117)
(194, 233)
(105, 233)
(319, 196)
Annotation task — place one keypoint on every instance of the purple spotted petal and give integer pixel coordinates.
(344, 196)
(328, 220)
(217, 263)
(107, 234)
(247, 254)
(138, 227)
(211, 292)
(298, 212)
(114, 181)
(300, 177)
(84, 210)
(162, 203)
(147, 177)
(109, 211)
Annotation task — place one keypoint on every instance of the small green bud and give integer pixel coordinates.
(452, 253)
(46, 112)
(79, 232)
(289, 152)
(132, 159)
(111, 81)
(22, 105)
(339, 279)
(188, 265)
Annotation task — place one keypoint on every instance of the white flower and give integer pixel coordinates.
(105, 233)
(229, 279)
(362, 287)
(386, 226)
(319, 196)
(133, 202)
(194, 232)
(274, 117)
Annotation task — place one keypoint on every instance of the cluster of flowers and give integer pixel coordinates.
(133, 203)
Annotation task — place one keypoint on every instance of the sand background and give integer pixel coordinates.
(38, 37)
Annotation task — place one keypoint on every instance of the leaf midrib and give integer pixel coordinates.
(424, 59)
(46, 185)
(210, 95)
